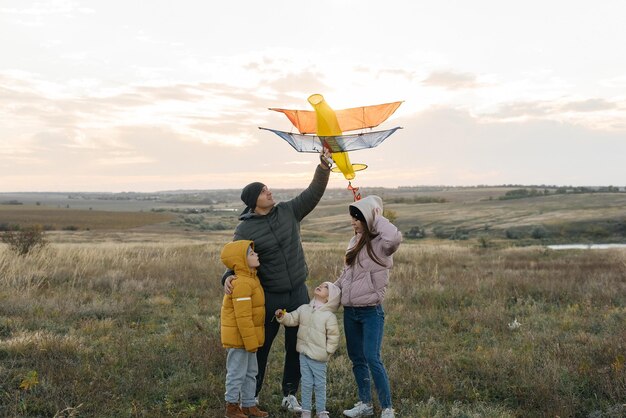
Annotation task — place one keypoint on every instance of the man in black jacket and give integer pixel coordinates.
(275, 230)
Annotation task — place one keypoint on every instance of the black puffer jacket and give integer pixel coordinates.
(277, 240)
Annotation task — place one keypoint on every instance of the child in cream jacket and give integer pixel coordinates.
(318, 338)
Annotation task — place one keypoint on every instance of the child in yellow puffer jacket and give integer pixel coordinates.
(242, 329)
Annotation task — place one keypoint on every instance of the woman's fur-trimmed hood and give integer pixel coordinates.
(367, 206)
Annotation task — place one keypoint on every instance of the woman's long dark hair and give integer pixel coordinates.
(365, 241)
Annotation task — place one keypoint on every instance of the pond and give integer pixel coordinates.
(585, 246)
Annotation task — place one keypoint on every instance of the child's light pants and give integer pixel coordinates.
(313, 379)
(241, 371)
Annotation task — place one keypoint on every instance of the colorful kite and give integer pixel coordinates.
(323, 128)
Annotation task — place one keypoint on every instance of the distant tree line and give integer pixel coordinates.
(607, 189)
(183, 210)
(534, 192)
(9, 227)
(416, 199)
(523, 193)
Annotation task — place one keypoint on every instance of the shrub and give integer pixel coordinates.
(25, 240)
(539, 232)
(460, 234)
(415, 232)
(390, 214)
(9, 227)
(513, 234)
(441, 233)
(484, 242)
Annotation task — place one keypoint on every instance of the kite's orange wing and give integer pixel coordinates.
(351, 119)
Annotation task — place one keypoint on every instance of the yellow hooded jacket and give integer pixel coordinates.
(243, 311)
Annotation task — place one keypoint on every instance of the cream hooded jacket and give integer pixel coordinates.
(318, 335)
(365, 283)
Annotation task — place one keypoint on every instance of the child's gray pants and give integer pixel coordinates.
(241, 371)
(313, 379)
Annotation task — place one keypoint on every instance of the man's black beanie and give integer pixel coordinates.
(250, 194)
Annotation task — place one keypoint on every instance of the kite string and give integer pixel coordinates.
(355, 191)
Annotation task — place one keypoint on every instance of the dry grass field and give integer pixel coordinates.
(82, 219)
(474, 213)
(128, 325)
(456, 213)
(119, 315)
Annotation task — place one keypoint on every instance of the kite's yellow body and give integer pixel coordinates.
(327, 126)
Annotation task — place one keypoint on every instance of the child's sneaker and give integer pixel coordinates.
(254, 412)
(290, 403)
(388, 413)
(360, 410)
(234, 411)
(323, 414)
(305, 414)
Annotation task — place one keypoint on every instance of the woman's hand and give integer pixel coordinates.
(228, 285)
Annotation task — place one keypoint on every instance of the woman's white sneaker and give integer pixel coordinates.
(388, 413)
(290, 403)
(360, 410)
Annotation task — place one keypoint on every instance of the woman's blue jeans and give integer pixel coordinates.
(364, 328)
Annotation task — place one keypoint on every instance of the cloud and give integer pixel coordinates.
(297, 84)
(594, 113)
(384, 71)
(202, 107)
(451, 80)
(523, 109)
(618, 82)
(204, 135)
(51, 7)
(175, 92)
(441, 145)
(589, 105)
(466, 149)
(120, 160)
(37, 14)
(396, 72)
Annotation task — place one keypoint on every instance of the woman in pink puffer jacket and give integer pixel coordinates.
(363, 283)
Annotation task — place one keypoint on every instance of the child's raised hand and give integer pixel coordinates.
(279, 313)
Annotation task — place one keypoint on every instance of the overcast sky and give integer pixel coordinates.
(158, 95)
